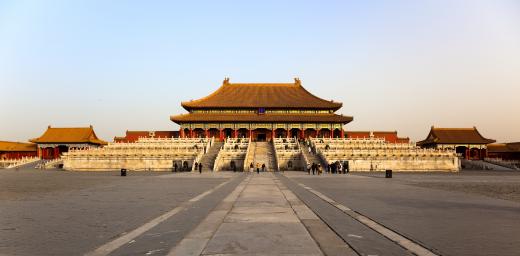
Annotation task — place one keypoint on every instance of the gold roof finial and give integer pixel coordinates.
(297, 81)
(226, 80)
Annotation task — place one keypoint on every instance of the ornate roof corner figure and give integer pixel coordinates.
(297, 81)
(226, 80)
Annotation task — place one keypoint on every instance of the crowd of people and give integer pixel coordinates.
(332, 168)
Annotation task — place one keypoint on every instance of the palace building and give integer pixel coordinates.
(16, 150)
(55, 141)
(468, 142)
(262, 112)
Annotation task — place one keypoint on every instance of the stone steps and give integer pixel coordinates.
(264, 154)
(312, 158)
(208, 160)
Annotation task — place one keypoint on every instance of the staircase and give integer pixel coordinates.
(264, 154)
(208, 159)
(312, 158)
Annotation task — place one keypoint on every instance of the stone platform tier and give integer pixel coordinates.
(232, 154)
(145, 154)
(289, 155)
(375, 154)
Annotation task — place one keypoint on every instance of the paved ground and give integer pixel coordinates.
(447, 213)
(70, 213)
(158, 213)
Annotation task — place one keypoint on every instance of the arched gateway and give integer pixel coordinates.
(261, 111)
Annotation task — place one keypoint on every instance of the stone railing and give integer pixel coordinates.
(145, 154)
(202, 153)
(289, 155)
(234, 150)
(249, 155)
(14, 163)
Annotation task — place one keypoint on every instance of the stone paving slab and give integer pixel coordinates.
(262, 239)
(262, 222)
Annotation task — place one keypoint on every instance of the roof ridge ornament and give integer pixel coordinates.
(226, 80)
(297, 81)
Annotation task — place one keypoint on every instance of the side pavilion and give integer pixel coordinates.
(467, 142)
(55, 141)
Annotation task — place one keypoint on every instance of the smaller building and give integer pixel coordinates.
(468, 142)
(56, 141)
(16, 150)
(504, 151)
(133, 136)
(388, 136)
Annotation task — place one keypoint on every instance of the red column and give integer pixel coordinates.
(318, 133)
(467, 153)
(302, 134)
(272, 134)
(250, 134)
(56, 152)
(235, 133)
(331, 134)
(288, 133)
(181, 133)
(191, 133)
(39, 152)
(342, 133)
(206, 133)
(221, 134)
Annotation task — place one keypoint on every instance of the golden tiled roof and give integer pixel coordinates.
(455, 136)
(69, 135)
(262, 95)
(234, 117)
(513, 147)
(8, 146)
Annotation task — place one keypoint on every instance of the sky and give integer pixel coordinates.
(127, 65)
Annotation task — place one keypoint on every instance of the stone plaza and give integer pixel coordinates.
(54, 212)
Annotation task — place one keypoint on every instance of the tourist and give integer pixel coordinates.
(263, 167)
(309, 169)
(174, 166)
(313, 168)
(196, 166)
(319, 170)
(310, 151)
(200, 168)
(257, 168)
(340, 168)
(251, 167)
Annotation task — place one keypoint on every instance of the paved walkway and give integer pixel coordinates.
(260, 217)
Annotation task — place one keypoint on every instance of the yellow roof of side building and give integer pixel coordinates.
(69, 135)
(9, 146)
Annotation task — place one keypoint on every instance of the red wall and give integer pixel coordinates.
(17, 154)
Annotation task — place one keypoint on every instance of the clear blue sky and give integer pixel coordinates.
(127, 65)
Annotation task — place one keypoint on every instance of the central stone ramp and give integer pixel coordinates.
(264, 154)
(261, 222)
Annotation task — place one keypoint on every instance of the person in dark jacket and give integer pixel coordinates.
(200, 168)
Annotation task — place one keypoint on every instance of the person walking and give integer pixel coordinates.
(251, 167)
(174, 169)
(257, 168)
(309, 169)
(200, 168)
(196, 166)
(263, 167)
(313, 168)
